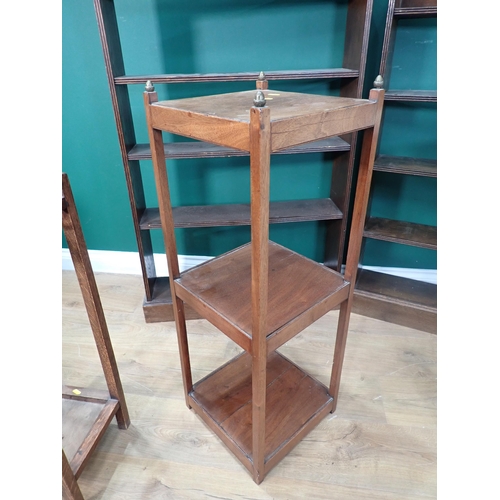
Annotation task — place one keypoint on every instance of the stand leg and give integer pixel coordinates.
(369, 147)
(167, 222)
(338, 356)
(260, 149)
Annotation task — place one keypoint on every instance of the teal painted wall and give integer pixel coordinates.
(166, 36)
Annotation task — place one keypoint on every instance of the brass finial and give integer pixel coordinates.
(149, 86)
(259, 100)
(262, 83)
(379, 82)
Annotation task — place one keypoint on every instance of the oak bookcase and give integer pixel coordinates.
(399, 300)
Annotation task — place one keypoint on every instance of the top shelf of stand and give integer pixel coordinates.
(295, 118)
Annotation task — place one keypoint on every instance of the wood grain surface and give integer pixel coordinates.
(295, 118)
(219, 290)
(380, 444)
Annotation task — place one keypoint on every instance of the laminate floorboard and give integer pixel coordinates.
(380, 444)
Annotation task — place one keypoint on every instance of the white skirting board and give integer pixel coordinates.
(105, 261)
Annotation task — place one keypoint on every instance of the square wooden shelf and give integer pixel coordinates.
(300, 292)
(296, 118)
(296, 403)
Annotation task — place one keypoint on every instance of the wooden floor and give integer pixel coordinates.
(379, 444)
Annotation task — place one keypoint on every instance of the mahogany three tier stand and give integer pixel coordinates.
(262, 294)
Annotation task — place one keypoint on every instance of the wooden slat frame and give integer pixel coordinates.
(95, 434)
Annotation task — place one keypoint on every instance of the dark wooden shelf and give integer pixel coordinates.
(411, 95)
(238, 77)
(405, 233)
(300, 292)
(295, 404)
(397, 300)
(421, 12)
(406, 165)
(239, 214)
(200, 149)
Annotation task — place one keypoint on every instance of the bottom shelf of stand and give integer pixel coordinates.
(295, 404)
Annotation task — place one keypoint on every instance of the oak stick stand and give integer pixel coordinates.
(79, 403)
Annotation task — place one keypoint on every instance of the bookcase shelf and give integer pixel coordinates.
(405, 233)
(200, 149)
(406, 165)
(239, 214)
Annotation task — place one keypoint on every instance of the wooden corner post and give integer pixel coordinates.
(167, 222)
(260, 150)
(368, 150)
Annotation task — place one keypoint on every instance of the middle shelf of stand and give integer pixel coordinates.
(300, 291)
